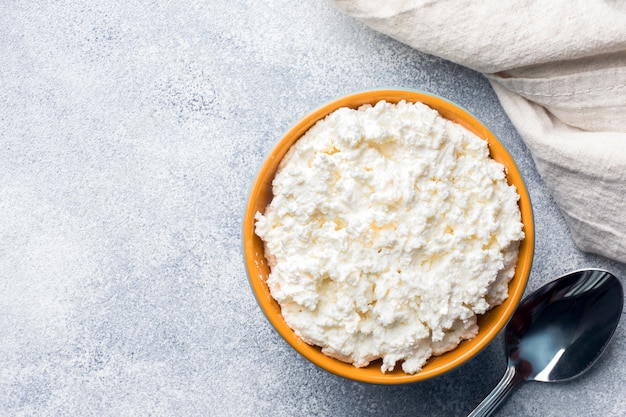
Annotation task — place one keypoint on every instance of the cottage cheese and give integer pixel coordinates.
(390, 229)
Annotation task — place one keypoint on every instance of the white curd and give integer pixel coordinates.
(389, 231)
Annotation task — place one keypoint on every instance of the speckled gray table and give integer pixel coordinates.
(129, 136)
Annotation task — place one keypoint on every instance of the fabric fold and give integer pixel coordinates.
(584, 171)
(559, 71)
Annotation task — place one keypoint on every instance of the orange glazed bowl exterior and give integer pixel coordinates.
(489, 323)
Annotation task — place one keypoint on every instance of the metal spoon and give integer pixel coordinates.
(558, 332)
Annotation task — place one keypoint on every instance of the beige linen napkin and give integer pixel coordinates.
(559, 70)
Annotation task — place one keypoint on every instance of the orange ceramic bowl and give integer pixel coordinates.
(490, 323)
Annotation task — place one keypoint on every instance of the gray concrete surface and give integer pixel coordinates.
(130, 133)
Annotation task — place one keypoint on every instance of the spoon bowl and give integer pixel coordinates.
(559, 331)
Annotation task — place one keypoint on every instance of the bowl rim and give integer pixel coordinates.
(271, 309)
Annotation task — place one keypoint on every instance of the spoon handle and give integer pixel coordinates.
(510, 380)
